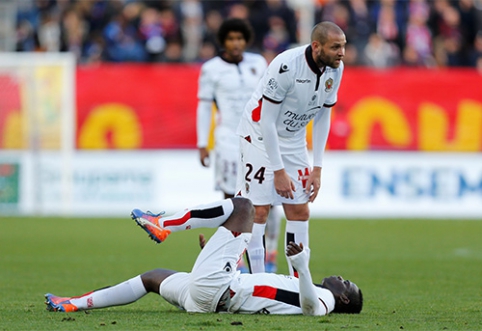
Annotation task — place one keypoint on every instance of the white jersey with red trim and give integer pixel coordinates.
(229, 85)
(267, 293)
(294, 81)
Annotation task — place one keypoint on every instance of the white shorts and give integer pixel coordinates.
(226, 169)
(256, 177)
(215, 267)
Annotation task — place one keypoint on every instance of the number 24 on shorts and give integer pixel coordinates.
(258, 174)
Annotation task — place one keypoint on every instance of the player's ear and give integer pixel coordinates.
(344, 299)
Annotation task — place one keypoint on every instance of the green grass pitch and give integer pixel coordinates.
(415, 274)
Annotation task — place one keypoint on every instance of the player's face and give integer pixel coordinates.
(339, 286)
(330, 53)
(234, 45)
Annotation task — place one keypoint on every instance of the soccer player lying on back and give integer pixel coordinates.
(214, 285)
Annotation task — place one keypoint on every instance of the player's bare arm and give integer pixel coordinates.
(299, 257)
(313, 184)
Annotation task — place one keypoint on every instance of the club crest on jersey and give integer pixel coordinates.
(283, 68)
(272, 84)
(253, 71)
(328, 84)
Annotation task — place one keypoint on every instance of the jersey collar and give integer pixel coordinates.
(311, 62)
(313, 66)
(229, 61)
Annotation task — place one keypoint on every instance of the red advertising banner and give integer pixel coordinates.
(142, 106)
(124, 106)
(408, 109)
(154, 106)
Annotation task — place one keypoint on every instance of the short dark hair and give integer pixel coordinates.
(321, 30)
(353, 307)
(237, 25)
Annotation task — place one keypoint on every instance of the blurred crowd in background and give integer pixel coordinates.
(380, 33)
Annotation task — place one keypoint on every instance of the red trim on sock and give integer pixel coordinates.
(83, 295)
(179, 221)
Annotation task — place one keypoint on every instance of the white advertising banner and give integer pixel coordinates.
(390, 184)
(355, 185)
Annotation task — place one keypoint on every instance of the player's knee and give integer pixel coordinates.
(297, 212)
(152, 279)
(261, 214)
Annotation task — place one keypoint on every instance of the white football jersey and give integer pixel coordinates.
(294, 81)
(229, 85)
(266, 293)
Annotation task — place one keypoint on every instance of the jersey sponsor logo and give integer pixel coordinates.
(296, 122)
(283, 68)
(329, 85)
(303, 81)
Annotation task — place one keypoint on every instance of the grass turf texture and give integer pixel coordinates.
(415, 274)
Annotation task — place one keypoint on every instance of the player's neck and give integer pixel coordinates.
(231, 59)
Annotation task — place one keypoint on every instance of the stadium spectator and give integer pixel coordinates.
(191, 15)
(390, 23)
(418, 35)
(212, 23)
(122, 40)
(379, 53)
(214, 285)
(151, 32)
(74, 33)
(476, 54)
(360, 25)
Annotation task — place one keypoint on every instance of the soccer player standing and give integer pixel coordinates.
(300, 85)
(229, 80)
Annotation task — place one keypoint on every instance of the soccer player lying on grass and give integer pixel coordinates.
(214, 285)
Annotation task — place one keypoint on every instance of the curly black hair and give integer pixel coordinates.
(235, 24)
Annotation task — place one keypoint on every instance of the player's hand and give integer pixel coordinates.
(283, 184)
(204, 156)
(293, 248)
(313, 184)
(202, 241)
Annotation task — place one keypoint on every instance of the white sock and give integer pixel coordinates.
(210, 215)
(256, 249)
(296, 231)
(273, 225)
(120, 294)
